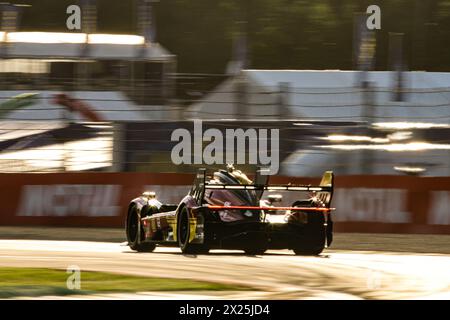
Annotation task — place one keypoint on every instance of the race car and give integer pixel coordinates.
(227, 210)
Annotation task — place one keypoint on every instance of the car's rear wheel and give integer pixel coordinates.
(184, 233)
(135, 233)
(314, 238)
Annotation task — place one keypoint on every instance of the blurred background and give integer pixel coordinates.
(108, 96)
(87, 114)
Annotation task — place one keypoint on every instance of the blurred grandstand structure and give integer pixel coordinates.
(53, 83)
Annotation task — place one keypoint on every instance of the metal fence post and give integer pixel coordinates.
(119, 137)
(283, 110)
(241, 104)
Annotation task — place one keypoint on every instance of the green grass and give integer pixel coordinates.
(16, 282)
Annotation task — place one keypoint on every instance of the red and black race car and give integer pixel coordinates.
(228, 211)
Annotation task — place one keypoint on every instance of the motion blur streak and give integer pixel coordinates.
(399, 147)
(76, 38)
(409, 125)
(276, 275)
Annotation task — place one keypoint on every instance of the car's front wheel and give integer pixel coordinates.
(184, 233)
(135, 233)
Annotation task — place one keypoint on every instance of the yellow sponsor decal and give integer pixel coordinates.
(173, 224)
(192, 228)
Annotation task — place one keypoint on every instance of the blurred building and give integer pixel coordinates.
(328, 94)
(122, 77)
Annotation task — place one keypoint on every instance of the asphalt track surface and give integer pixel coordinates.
(276, 275)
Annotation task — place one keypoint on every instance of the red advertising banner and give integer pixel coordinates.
(397, 204)
(78, 199)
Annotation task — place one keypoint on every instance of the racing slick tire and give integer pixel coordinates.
(135, 232)
(183, 234)
(314, 236)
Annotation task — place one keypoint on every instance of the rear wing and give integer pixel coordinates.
(323, 192)
(326, 182)
(274, 187)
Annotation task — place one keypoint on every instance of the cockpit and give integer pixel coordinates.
(230, 197)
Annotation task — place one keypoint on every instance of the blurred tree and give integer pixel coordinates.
(291, 34)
